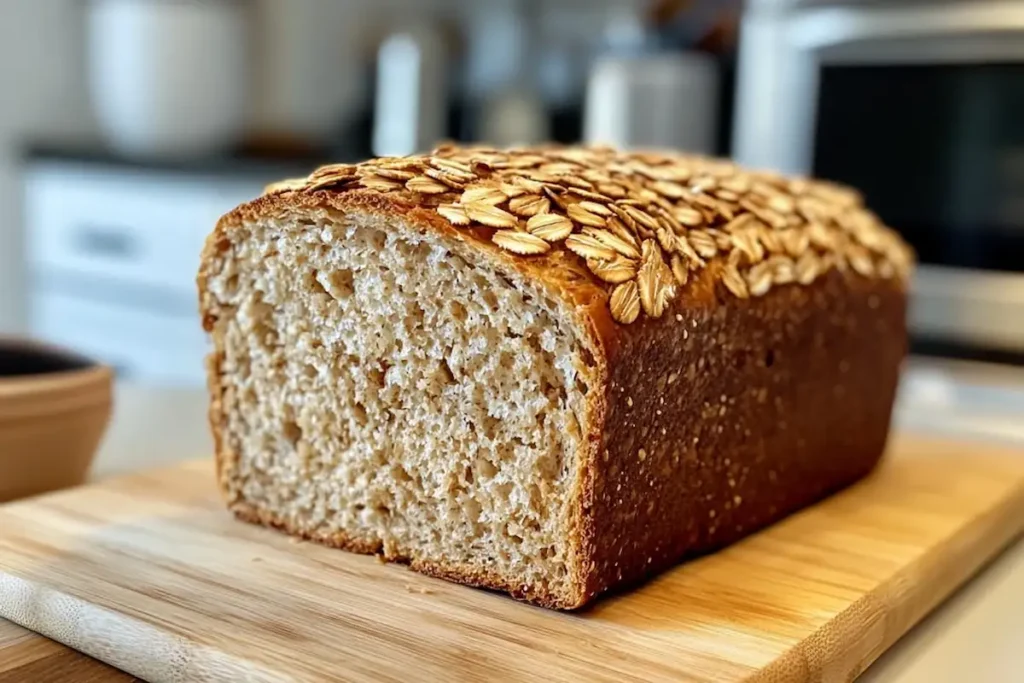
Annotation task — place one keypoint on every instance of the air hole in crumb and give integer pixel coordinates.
(359, 414)
(588, 357)
(446, 372)
(291, 431)
(486, 468)
(401, 474)
(490, 299)
(382, 510)
(459, 311)
(309, 370)
(378, 375)
(581, 386)
(467, 475)
(490, 427)
(313, 283)
(340, 284)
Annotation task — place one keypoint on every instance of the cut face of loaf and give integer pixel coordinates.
(385, 394)
(551, 372)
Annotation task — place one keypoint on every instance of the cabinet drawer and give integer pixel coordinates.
(142, 226)
(143, 347)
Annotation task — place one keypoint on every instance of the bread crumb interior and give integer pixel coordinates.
(378, 385)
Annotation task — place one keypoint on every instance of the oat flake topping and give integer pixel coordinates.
(641, 221)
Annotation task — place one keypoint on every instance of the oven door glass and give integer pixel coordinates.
(938, 151)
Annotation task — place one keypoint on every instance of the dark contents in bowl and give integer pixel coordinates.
(19, 361)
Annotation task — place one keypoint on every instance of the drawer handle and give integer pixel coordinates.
(107, 242)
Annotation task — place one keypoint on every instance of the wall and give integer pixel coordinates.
(43, 93)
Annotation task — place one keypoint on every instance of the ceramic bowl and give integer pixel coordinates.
(54, 408)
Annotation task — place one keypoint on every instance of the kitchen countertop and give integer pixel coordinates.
(975, 635)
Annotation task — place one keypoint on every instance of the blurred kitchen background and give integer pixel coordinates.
(129, 126)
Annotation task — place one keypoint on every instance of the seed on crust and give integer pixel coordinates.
(529, 205)
(334, 170)
(490, 216)
(456, 182)
(528, 185)
(483, 194)
(615, 270)
(782, 268)
(613, 190)
(619, 229)
(821, 237)
(329, 181)
(667, 220)
(396, 174)
(286, 185)
(621, 213)
(550, 227)
(426, 185)
(680, 271)
(703, 243)
(456, 169)
(722, 239)
(807, 268)
(376, 182)
(519, 242)
(782, 204)
(669, 189)
(666, 239)
(625, 247)
(745, 242)
(595, 207)
(625, 302)
(691, 218)
(795, 241)
(513, 190)
(734, 282)
(584, 193)
(576, 183)
(686, 249)
(580, 215)
(641, 217)
(771, 239)
(860, 260)
(744, 220)
(455, 213)
(651, 281)
(759, 279)
(885, 270)
(588, 247)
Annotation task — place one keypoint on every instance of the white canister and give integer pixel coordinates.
(169, 77)
(665, 100)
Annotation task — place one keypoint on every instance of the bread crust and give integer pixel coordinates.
(788, 397)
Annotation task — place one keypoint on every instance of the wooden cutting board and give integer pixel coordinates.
(150, 574)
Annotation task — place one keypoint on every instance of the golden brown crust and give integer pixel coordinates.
(717, 417)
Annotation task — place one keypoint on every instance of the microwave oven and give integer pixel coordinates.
(920, 105)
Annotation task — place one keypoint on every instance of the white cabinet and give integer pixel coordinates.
(113, 252)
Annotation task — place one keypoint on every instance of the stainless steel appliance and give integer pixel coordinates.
(920, 105)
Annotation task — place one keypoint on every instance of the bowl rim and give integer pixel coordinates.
(89, 373)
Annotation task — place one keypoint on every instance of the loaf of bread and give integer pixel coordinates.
(547, 371)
